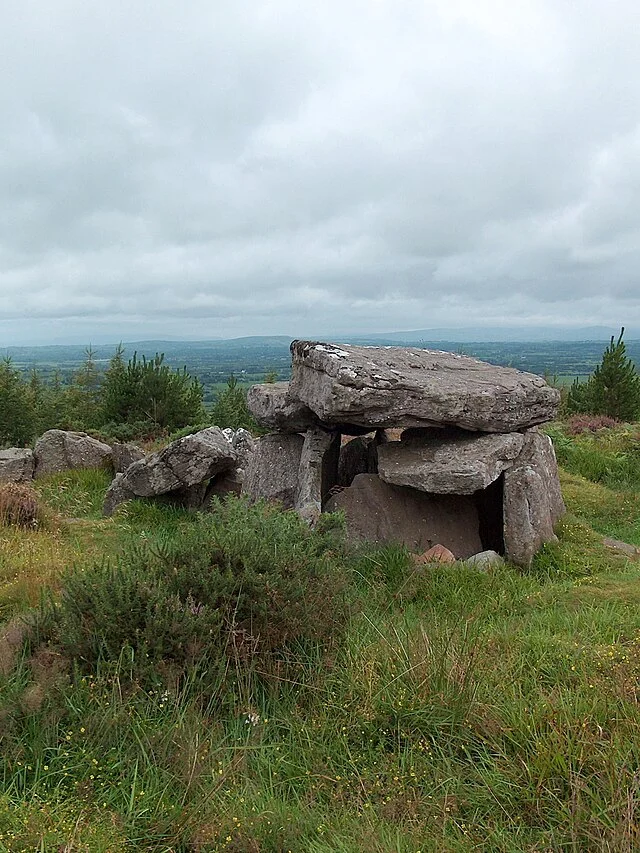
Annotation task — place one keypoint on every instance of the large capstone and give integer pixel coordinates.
(459, 463)
(406, 387)
(379, 512)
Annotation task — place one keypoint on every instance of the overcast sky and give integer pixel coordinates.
(215, 169)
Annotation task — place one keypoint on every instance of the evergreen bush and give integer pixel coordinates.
(149, 391)
(230, 408)
(17, 416)
(613, 389)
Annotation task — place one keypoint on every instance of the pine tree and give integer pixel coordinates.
(83, 395)
(17, 417)
(613, 389)
(230, 408)
(147, 391)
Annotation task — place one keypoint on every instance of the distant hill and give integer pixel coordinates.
(498, 334)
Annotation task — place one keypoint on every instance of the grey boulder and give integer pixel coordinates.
(63, 450)
(124, 455)
(185, 466)
(485, 560)
(16, 465)
(408, 387)
(273, 408)
(459, 464)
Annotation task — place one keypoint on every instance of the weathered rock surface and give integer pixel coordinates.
(380, 512)
(358, 456)
(485, 560)
(185, 464)
(273, 408)
(460, 464)
(630, 551)
(317, 472)
(124, 455)
(62, 450)
(532, 499)
(16, 465)
(272, 469)
(117, 493)
(407, 387)
(242, 442)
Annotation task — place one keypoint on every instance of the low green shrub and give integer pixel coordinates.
(239, 585)
(136, 430)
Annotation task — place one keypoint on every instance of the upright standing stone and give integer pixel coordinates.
(379, 512)
(532, 499)
(318, 472)
(272, 469)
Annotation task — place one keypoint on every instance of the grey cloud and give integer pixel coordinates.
(274, 167)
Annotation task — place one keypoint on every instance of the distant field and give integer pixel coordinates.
(250, 359)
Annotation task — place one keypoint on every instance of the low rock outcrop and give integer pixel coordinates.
(16, 465)
(184, 465)
(64, 450)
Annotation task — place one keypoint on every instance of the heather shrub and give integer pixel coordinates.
(242, 584)
(577, 424)
(19, 506)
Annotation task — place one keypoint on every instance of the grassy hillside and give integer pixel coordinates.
(434, 710)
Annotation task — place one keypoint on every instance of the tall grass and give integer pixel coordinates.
(454, 710)
(610, 456)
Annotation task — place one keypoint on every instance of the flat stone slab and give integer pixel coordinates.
(460, 465)
(379, 387)
(379, 512)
